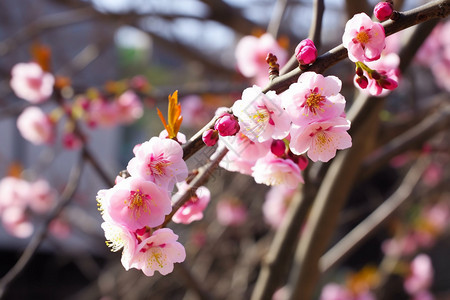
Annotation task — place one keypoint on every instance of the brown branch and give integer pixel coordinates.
(41, 234)
(277, 17)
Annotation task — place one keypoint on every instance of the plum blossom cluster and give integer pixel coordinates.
(31, 83)
(365, 41)
(277, 132)
(135, 209)
(20, 200)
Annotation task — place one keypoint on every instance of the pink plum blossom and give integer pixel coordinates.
(260, 115)
(129, 107)
(13, 192)
(158, 252)
(363, 38)
(231, 212)
(193, 209)
(35, 126)
(321, 140)
(242, 153)
(135, 203)
(119, 237)
(160, 161)
(306, 52)
(273, 170)
(31, 83)
(251, 53)
(102, 113)
(276, 204)
(181, 138)
(421, 275)
(312, 98)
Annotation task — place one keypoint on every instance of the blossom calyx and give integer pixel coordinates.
(227, 125)
(306, 52)
(210, 137)
(383, 10)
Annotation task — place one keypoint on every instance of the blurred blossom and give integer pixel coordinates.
(251, 53)
(31, 83)
(195, 114)
(129, 107)
(231, 212)
(35, 126)
(60, 228)
(421, 275)
(433, 175)
(43, 196)
(276, 204)
(71, 141)
(16, 222)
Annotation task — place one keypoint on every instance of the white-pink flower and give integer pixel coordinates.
(135, 203)
(273, 170)
(129, 107)
(160, 161)
(313, 98)
(16, 222)
(421, 275)
(363, 38)
(31, 83)
(158, 252)
(35, 126)
(119, 237)
(193, 209)
(251, 53)
(321, 139)
(260, 115)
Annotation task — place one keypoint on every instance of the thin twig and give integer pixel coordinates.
(198, 181)
(41, 234)
(375, 220)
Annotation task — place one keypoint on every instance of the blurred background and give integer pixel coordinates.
(189, 46)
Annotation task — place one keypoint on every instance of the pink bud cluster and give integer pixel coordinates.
(226, 125)
(306, 52)
(383, 10)
(20, 200)
(365, 41)
(277, 131)
(34, 85)
(135, 209)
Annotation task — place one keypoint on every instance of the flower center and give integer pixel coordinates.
(363, 37)
(138, 202)
(314, 102)
(158, 165)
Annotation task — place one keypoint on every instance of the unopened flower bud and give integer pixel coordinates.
(306, 52)
(387, 83)
(383, 11)
(278, 148)
(375, 75)
(359, 71)
(227, 125)
(302, 162)
(210, 137)
(362, 81)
